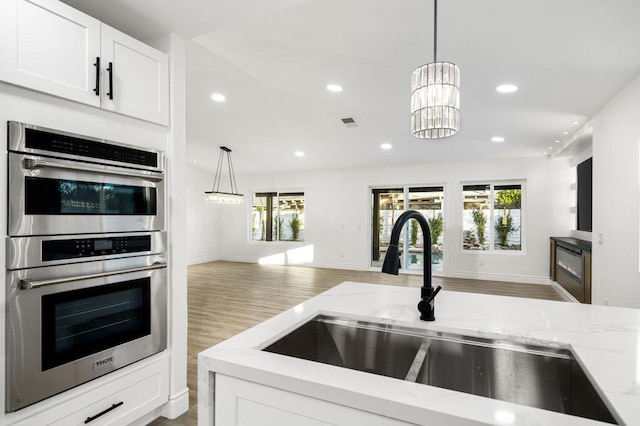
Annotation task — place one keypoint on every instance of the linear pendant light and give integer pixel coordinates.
(215, 195)
(435, 95)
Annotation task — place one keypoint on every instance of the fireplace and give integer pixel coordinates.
(571, 266)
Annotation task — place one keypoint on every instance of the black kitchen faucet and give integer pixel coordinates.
(391, 263)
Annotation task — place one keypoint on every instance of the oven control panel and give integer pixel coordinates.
(77, 248)
(83, 146)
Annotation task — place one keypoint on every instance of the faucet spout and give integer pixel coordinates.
(391, 263)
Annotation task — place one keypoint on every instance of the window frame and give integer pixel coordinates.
(405, 199)
(275, 203)
(491, 237)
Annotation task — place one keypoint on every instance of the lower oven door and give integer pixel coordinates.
(64, 330)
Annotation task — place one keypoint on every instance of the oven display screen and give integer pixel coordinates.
(103, 244)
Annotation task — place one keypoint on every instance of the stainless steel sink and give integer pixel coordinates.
(538, 376)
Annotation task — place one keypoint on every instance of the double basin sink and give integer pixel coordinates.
(538, 376)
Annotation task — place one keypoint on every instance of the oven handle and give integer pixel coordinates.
(26, 284)
(37, 163)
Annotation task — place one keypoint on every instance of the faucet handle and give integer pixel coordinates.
(426, 308)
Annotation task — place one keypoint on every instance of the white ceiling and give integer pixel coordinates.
(272, 61)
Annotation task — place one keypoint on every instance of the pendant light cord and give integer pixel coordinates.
(232, 174)
(224, 151)
(435, 30)
(218, 175)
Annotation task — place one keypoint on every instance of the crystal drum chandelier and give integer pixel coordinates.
(215, 195)
(435, 95)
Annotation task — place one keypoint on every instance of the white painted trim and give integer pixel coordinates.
(177, 405)
(563, 292)
(242, 259)
(523, 279)
(345, 266)
(203, 259)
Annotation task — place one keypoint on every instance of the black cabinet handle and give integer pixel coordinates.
(110, 70)
(113, 407)
(97, 65)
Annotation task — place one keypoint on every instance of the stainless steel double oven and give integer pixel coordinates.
(86, 285)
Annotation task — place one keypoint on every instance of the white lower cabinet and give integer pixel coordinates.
(133, 393)
(243, 403)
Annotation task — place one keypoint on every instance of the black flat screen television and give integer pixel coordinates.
(585, 197)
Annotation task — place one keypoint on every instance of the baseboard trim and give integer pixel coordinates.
(202, 259)
(177, 405)
(523, 279)
(346, 266)
(472, 275)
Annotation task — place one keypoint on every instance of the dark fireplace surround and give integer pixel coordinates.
(570, 266)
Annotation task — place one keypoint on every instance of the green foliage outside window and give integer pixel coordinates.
(414, 233)
(506, 199)
(295, 223)
(435, 226)
(481, 221)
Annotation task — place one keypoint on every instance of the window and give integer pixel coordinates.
(387, 205)
(277, 216)
(492, 217)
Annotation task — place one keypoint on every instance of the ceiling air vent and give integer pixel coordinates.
(349, 122)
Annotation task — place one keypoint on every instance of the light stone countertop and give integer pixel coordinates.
(605, 339)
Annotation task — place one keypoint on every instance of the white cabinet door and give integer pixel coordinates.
(48, 46)
(242, 403)
(135, 77)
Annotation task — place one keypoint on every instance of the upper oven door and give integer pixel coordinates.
(52, 196)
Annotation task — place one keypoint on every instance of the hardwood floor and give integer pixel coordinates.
(226, 298)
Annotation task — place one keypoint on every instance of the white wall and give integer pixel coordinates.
(337, 217)
(202, 218)
(616, 137)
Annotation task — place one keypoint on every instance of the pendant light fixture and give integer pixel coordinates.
(435, 95)
(215, 195)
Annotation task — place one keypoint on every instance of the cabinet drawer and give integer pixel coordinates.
(121, 407)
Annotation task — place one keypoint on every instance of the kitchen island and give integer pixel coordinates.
(239, 383)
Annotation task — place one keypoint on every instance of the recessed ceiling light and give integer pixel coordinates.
(497, 139)
(195, 162)
(386, 146)
(507, 88)
(557, 141)
(334, 88)
(575, 122)
(549, 147)
(218, 97)
(565, 133)
(299, 154)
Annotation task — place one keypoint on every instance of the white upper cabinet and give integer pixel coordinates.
(136, 77)
(48, 46)
(51, 47)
